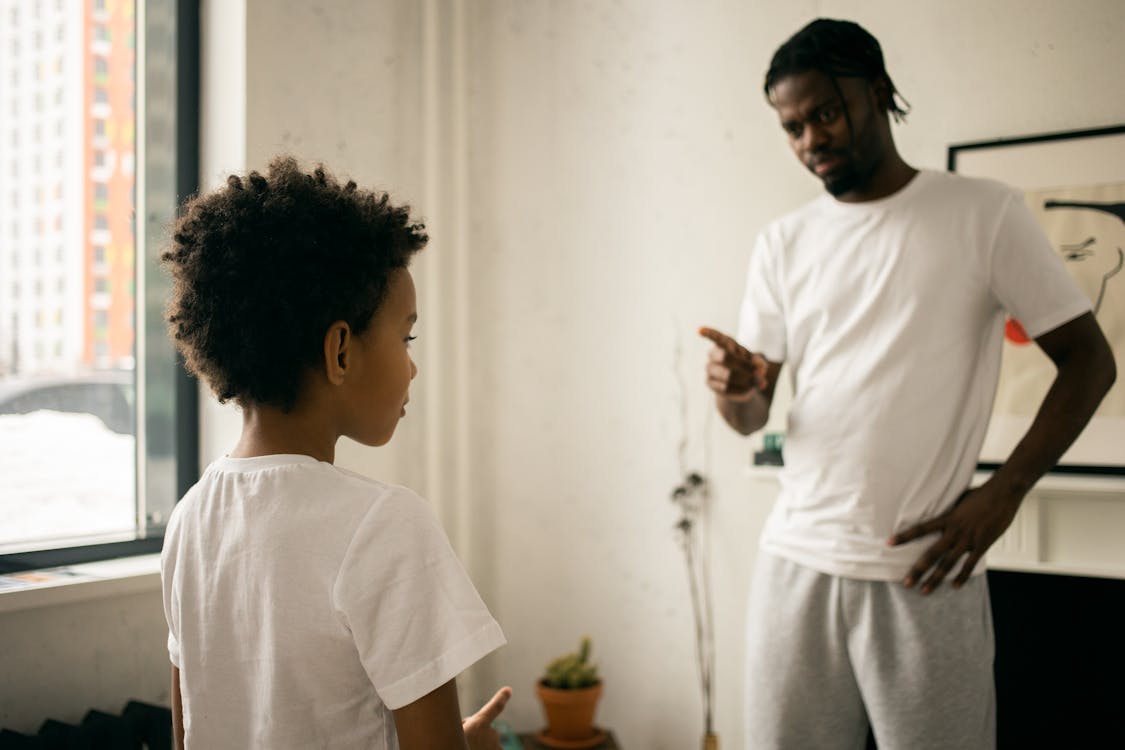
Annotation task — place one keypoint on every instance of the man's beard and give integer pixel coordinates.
(845, 180)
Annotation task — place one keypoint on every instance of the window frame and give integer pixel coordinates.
(185, 388)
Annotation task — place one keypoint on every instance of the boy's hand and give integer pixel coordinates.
(733, 372)
(478, 727)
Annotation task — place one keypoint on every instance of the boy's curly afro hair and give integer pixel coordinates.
(264, 265)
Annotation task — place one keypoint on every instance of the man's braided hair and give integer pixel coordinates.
(838, 49)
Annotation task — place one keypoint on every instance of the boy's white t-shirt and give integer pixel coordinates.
(305, 602)
(889, 316)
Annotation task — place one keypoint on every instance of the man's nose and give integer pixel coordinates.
(814, 138)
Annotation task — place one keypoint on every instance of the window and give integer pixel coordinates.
(78, 388)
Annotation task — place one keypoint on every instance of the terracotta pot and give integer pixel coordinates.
(570, 713)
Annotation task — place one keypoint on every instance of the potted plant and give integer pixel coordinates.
(569, 692)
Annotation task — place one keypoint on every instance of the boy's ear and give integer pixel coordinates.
(337, 351)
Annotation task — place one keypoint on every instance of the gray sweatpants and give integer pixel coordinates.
(826, 655)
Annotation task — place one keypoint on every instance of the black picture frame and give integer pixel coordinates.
(1068, 162)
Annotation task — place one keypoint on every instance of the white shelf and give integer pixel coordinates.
(1086, 483)
(1071, 482)
(763, 472)
(1069, 524)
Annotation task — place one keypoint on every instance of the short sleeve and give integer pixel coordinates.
(416, 618)
(1027, 277)
(761, 320)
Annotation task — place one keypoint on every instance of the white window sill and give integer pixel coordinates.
(77, 583)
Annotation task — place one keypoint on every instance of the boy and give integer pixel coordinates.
(308, 606)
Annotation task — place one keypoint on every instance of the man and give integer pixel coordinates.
(886, 298)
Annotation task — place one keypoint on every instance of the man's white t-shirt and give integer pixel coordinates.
(889, 316)
(305, 602)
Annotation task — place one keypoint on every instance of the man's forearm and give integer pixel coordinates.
(746, 417)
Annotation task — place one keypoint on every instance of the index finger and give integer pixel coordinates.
(495, 706)
(916, 531)
(722, 340)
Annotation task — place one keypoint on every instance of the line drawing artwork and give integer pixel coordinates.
(1073, 183)
(1086, 226)
(1069, 254)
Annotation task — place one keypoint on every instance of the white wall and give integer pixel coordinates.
(592, 174)
(622, 158)
(61, 661)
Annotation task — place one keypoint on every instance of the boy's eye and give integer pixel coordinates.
(408, 339)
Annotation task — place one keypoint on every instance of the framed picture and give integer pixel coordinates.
(1074, 183)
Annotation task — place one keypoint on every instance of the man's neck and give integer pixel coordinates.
(892, 175)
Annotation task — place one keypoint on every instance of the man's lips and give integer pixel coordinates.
(825, 165)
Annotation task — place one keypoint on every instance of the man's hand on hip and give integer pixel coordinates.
(967, 530)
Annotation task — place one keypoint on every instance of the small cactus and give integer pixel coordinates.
(572, 671)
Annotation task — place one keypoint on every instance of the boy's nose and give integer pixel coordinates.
(413, 369)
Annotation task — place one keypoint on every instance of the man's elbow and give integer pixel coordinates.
(1099, 368)
(1109, 369)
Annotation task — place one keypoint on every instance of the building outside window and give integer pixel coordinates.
(93, 406)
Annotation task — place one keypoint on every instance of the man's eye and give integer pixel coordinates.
(409, 339)
(827, 115)
(793, 130)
